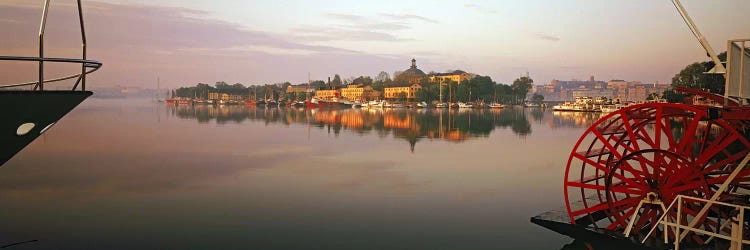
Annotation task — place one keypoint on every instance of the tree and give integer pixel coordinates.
(505, 93)
(672, 96)
(319, 84)
(537, 98)
(401, 96)
(378, 86)
(382, 77)
(521, 87)
(462, 92)
(221, 85)
(336, 82)
(693, 76)
(426, 94)
(364, 80)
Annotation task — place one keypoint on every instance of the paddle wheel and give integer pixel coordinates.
(630, 165)
(637, 159)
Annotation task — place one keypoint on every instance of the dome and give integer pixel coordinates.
(411, 75)
(413, 70)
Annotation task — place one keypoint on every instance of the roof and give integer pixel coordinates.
(400, 85)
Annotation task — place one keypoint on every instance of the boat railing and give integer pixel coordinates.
(87, 66)
(684, 223)
(730, 230)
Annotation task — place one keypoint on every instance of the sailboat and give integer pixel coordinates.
(495, 104)
(441, 104)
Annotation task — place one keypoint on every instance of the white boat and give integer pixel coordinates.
(375, 104)
(495, 105)
(463, 105)
(531, 104)
(441, 105)
(422, 105)
(398, 105)
(386, 104)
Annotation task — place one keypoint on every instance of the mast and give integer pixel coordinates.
(440, 85)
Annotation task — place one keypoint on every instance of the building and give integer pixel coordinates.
(413, 75)
(456, 76)
(225, 96)
(327, 93)
(410, 90)
(302, 88)
(359, 92)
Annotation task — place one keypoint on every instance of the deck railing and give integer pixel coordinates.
(87, 66)
(734, 214)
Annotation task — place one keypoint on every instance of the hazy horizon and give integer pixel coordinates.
(184, 43)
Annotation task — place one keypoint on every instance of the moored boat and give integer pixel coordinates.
(465, 105)
(496, 105)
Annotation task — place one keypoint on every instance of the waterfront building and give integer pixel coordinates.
(412, 75)
(214, 96)
(410, 90)
(608, 93)
(359, 92)
(327, 93)
(301, 88)
(456, 76)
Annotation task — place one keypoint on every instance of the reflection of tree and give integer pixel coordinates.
(410, 125)
(515, 118)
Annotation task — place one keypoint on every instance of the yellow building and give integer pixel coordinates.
(456, 76)
(299, 88)
(327, 93)
(357, 92)
(213, 96)
(410, 91)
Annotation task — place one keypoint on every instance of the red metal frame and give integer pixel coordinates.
(662, 148)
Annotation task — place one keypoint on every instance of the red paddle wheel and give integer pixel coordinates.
(651, 151)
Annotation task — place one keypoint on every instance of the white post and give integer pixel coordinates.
(699, 217)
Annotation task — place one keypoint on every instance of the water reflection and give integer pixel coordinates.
(201, 177)
(407, 124)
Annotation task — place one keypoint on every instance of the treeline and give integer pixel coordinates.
(478, 88)
(201, 90)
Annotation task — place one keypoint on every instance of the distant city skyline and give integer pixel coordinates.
(259, 42)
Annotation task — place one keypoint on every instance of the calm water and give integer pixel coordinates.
(119, 174)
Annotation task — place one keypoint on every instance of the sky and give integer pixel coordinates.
(257, 42)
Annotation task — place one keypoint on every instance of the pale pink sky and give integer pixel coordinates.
(257, 42)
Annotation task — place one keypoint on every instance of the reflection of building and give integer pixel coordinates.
(412, 75)
(357, 92)
(456, 76)
(409, 90)
(392, 120)
(326, 93)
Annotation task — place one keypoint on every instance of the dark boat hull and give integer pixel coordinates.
(41, 108)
